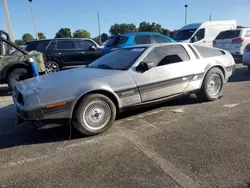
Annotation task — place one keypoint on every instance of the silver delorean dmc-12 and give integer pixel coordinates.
(90, 97)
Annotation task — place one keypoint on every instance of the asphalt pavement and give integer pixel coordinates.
(181, 143)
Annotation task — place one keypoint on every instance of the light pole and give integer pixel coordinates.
(186, 7)
(33, 17)
(99, 28)
(8, 20)
(210, 17)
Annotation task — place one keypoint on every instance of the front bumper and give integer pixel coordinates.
(56, 115)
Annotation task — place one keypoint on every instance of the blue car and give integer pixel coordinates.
(132, 39)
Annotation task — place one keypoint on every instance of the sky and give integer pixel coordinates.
(51, 15)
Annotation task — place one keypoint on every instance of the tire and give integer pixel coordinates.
(15, 76)
(86, 116)
(51, 67)
(214, 79)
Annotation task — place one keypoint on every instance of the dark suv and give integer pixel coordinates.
(65, 53)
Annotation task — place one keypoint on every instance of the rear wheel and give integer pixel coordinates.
(213, 85)
(94, 115)
(15, 76)
(51, 66)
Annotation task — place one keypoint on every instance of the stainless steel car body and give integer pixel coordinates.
(126, 87)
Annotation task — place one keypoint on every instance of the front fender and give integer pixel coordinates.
(94, 88)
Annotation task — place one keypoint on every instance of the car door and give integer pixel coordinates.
(66, 52)
(86, 52)
(170, 75)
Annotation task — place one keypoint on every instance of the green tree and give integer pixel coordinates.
(81, 33)
(166, 32)
(63, 33)
(151, 27)
(122, 28)
(240, 27)
(41, 35)
(26, 37)
(19, 42)
(172, 34)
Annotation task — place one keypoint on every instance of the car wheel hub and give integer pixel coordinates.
(96, 115)
(214, 84)
(51, 67)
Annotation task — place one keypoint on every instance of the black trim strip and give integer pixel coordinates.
(165, 83)
(127, 92)
(158, 85)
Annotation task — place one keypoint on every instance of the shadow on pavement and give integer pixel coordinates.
(241, 74)
(10, 136)
(4, 91)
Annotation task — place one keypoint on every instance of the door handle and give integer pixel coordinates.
(81, 52)
(59, 53)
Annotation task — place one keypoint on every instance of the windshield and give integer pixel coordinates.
(118, 60)
(184, 34)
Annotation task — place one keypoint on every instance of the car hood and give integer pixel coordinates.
(67, 77)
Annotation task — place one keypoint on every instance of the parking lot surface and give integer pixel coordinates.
(181, 143)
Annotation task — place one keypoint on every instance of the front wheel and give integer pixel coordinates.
(15, 76)
(213, 85)
(94, 115)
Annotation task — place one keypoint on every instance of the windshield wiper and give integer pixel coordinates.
(105, 66)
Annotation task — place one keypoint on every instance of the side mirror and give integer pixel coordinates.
(92, 48)
(144, 66)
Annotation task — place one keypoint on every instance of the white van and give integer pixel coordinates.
(203, 33)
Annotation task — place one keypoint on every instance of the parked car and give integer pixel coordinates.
(91, 97)
(14, 68)
(234, 41)
(65, 53)
(203, 33)
(133, 39)
(246, 56)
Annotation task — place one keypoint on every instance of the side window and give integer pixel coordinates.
(51, 46)
(195, 53)
(142, 39)
(199, 35)
(160, 39)
(65, 45)
(165, 55)
(247, 33)
(207, 52)
(174, 54)
(82, 45)
(90, 42)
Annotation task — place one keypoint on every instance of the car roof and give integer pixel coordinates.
(155, 45)
(138, 33)
(59, 39)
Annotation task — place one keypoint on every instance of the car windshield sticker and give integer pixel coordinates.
(137, 49)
